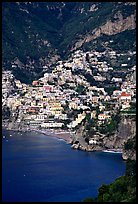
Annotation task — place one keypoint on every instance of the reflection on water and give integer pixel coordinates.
(38, 168)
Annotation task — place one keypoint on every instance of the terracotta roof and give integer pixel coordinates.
(125, 94)
(35, 83)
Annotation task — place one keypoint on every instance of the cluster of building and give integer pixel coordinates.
(47, 102)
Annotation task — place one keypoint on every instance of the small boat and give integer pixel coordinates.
(3, 136)
(10, 135)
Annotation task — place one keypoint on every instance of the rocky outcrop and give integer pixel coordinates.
(129, 150)
(78, 141)
(109, 28)
(126, 130)
(115, 142)
(129, 154)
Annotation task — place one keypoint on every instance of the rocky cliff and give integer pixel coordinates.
(129, 154)
(110, 28)
(126, 131)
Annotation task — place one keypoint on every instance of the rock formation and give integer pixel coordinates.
(109, 28)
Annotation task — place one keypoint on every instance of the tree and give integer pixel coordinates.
(102, 190)
(88, 200)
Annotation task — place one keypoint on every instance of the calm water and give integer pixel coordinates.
(38, 168)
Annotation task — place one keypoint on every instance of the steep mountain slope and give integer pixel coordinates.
(36, 34)
(25, 37)
(101, 18)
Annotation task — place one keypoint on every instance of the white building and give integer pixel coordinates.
(92, 141)
(52, 125)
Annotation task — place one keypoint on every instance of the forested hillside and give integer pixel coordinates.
(35, 35)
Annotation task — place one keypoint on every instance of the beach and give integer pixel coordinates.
(66, 135)
(58, 133)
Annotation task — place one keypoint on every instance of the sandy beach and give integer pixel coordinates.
(58, 133)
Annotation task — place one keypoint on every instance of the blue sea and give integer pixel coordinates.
(38, 168)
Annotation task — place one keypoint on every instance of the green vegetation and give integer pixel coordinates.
(34, 33)
(88, 200)
(110, 90)
(121, 42)
(23, 76)
(110, 126)
(93, 20)
(124, 41)
(132, 107)
(6, 112)
(130, 144)
(80, 89)
(90, 124)
(123, 189)
(129, 111)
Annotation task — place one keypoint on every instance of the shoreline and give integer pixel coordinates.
(113, 151)
(64, 135)
(60, 134)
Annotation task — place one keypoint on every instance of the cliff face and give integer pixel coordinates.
(126, 131)
(78, 141)
(129, 154)
(110, 28)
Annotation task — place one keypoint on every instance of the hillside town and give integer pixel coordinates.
(81, 90)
